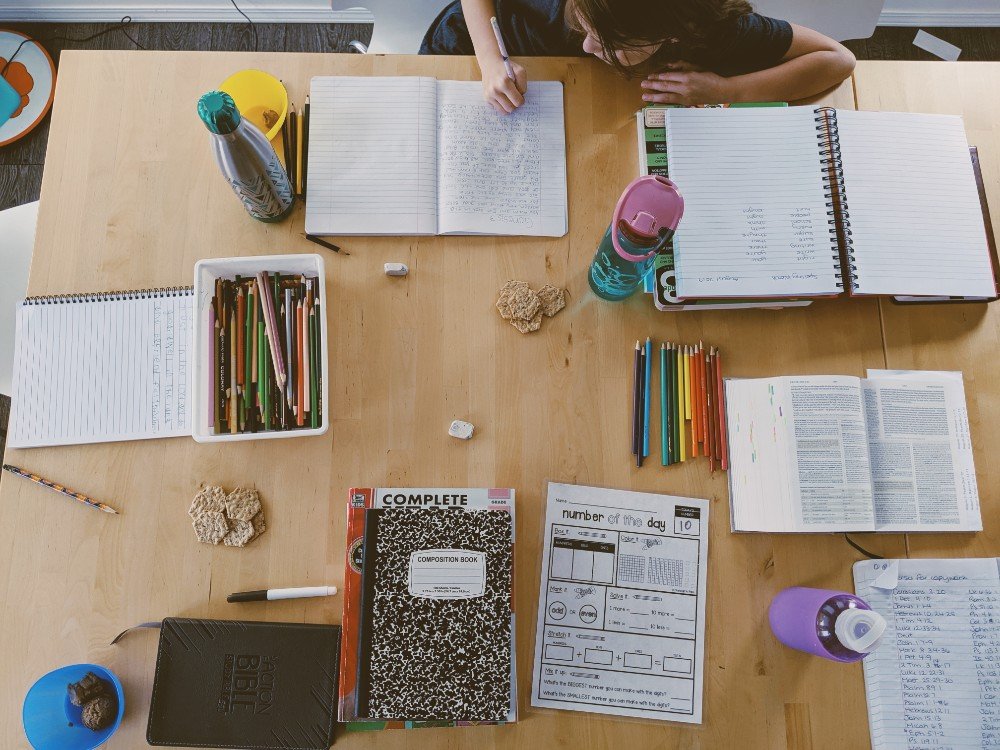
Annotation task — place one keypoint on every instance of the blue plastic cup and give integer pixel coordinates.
(52, 722)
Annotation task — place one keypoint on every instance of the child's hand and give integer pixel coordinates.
(503, 94)
(684, 83)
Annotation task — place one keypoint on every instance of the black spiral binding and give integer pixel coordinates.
(839, 219)
(115, 296)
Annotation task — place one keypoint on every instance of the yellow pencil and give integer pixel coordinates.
(687, 382)
(681, 390)
(298, 154)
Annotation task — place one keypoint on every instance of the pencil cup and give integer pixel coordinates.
(642, 225)
(835, 625)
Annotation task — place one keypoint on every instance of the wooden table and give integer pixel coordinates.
(131, 198)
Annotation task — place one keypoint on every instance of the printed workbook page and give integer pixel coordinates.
(621, 606)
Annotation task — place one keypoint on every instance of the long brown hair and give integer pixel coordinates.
(624, 25)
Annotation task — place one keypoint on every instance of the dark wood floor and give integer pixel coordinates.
(21, 163)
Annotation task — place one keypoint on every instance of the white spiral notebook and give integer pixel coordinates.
(93, 368)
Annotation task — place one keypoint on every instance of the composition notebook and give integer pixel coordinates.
(799, 201)
(413, 155)
(92, 368)
(934, 680)
(890, 452)
(258, 685)
(435, 641)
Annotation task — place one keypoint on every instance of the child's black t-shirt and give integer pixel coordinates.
(538, 27)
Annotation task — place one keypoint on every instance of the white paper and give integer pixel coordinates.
(755, 214)
(372, 156)
(102, 370)
(916, 219)
(621, 606)
(501, 174)
(935, 679)
(923, 474)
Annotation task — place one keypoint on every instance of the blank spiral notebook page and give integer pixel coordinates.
(912, 202)
(101, 370)
(755, 211)
(372, 156)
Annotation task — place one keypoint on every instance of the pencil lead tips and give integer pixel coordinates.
(637, 344)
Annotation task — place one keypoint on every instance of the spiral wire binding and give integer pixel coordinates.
(828, 135)
(113, 296)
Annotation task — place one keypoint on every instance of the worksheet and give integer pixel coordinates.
(621, 606)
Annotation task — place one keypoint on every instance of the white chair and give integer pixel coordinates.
(17, 238)
(400, 25)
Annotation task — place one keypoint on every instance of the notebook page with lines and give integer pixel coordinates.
(501, 174)
(913, 203)
(101, 368)
(372, 156)
(755, 203)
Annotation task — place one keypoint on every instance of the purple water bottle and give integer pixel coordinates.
(832, 624)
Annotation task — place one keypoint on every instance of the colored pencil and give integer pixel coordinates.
(636, 384)
(286, 142)
(700, 415)
(723, 443)
(695, 420)
(705, 411)
(255, 318)
(212, 353)
(647, 397)
(675, 412)
(318, 356)
(300, 401)
(313, 361)
(292, 128)
(642, 405)
(305, 146)
(664, 458)
(78, 496)
(271, 327)
(248, 338)
(709, 406)
(687, 383)
(234, 396)
(299, 138)
(288, 349)
(681, 396)
(307, 381)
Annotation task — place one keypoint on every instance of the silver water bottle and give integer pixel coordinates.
(246, 158)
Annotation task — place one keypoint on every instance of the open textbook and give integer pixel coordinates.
(890, 452)
(410, 155)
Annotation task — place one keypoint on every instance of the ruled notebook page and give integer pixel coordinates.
(914, 209)
(101, 371)
(501, 174)
(755, 214)
(372, 156)
(933, 680)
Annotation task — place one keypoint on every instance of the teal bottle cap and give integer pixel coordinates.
(218, 111)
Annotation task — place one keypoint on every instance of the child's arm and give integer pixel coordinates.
(504, 94)
(813, 63)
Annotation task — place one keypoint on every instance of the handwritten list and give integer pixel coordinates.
(934, 682)
(755, 214)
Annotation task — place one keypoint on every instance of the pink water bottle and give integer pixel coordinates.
(832, 624)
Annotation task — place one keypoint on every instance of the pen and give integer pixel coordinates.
(503, 48)
(78, 496)
(324, 243)
(270, 595)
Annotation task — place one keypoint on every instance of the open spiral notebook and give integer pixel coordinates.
(93, 368)
(804, 202)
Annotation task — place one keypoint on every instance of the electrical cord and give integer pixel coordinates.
(253, 28)
(120, 26)
(862, 550)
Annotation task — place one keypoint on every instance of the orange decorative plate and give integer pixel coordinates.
(33, 75)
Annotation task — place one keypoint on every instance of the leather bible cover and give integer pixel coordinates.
(259, 685)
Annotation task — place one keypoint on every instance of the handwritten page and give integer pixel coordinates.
(101, 370)
(372, 156)
(501, 174)
(935, 679)
(755, 214)
(915, 214)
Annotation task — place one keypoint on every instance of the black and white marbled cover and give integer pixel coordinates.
(435, 659)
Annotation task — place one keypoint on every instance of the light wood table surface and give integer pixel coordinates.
(131, 198)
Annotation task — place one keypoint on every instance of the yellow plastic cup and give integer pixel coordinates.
(255, 91)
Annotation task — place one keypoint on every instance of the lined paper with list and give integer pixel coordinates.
(934, 681)
(102, 368)
(914, 210)
(501, 174)
(372, 156)
(755, 211)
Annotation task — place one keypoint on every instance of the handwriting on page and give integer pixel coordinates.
(491, 162)
(935, 681)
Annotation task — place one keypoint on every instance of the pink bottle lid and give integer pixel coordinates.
(650, 207)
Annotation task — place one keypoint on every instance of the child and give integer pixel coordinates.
(690, 51)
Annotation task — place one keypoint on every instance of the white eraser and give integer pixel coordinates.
(461, 430)
(396, 269)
